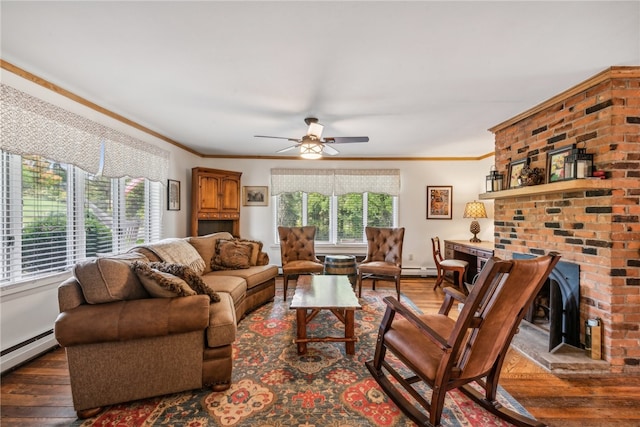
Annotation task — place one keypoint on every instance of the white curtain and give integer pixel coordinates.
(338, 182)
(31, 126)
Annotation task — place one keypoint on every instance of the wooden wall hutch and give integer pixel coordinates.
(215, 201)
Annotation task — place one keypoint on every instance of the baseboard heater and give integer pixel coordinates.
(27, 350)
(418, 272)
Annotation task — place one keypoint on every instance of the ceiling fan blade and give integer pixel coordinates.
(329, 150)
(287, 149)
(277, 137)
(346, 139)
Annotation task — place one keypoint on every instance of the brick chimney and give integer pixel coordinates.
(593, 223)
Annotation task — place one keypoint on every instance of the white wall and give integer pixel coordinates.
(30, 309)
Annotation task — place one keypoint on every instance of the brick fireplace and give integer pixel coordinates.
(592, 223)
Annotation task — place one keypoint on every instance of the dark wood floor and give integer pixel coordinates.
(38, 393)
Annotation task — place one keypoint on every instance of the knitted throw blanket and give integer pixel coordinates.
(177, 251)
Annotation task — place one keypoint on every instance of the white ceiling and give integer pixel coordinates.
(421, 79)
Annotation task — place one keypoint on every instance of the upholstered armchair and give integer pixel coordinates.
(297, 249)
(384, 257)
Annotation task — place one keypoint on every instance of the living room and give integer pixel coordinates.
(29, 311)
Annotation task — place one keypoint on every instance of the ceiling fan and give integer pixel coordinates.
(312, 145)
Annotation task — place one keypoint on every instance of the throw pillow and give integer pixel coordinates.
(188, 275)
(232, 255)
(206, 246)
(160, 284)
(255, 251)
(109, 279)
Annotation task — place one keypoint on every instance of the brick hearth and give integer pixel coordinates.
(597, 228)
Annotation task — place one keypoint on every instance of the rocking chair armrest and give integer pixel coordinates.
(451, 295)
(394, 305)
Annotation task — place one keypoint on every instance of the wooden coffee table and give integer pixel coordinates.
(325, 293)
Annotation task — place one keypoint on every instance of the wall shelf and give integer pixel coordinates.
(554, 187)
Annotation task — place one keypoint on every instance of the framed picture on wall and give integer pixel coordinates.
(255, 196)
(515, 168)
(173, 195)
(439, 202)
(555, 163)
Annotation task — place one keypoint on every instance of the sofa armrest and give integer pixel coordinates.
(70, 295)
(129, 320)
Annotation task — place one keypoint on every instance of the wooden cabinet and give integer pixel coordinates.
(215, 201)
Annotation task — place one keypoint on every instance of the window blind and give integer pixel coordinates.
(55, 214)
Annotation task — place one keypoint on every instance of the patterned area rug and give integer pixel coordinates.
(273, 386)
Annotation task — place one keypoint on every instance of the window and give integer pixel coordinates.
(338, 219)
(55, 214)
(340, 203)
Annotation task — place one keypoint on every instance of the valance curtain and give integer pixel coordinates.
(31, 126)
(307, 180)
(385, 181)
(338, 182)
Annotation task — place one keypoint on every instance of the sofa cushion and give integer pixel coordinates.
(256, 246)
(231, 254)
(160, 284)
(206, 246)
(109, 279)
(232, 285)
(188, 275)
(254, 276)
(222, 322)
(176, 251)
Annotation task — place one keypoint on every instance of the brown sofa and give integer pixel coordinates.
(122, 344)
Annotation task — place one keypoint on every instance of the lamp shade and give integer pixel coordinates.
(475, 210)
(311, 150)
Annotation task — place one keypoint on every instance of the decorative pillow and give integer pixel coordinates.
(160, 284)
(109, 279)
(206, 246)
(255, 251)
(188, 275)
(232, 255)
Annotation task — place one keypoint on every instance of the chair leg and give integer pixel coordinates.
(285, 285)
(461, 275)
(398, 286)
(359, 284)
(437, 405)
(439, 279)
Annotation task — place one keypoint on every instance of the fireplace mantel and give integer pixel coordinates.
(554, 187)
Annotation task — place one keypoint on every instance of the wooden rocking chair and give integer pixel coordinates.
(447, 354)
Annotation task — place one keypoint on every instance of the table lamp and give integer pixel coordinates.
(475, 210)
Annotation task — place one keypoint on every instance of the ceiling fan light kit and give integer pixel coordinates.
(311, 150)
(312, 145)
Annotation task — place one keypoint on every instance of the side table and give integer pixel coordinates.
(341, 265)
